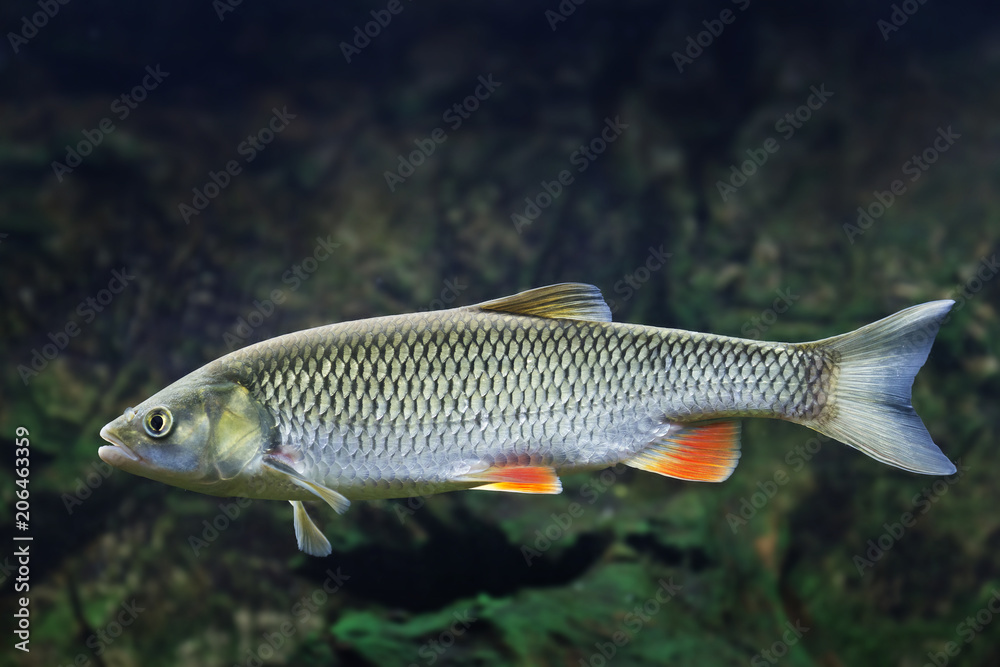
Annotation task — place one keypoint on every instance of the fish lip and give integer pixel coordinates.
(112, 454)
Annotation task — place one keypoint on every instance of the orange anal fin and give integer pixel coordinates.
(515, 479)
(698, 452)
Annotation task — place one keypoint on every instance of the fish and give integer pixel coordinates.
(509, 394)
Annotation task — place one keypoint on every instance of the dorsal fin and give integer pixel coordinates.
(567, 301)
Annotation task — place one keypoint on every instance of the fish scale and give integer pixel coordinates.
(410, 399)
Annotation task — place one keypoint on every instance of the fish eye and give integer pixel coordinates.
(158, 422)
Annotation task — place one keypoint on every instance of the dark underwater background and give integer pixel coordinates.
(181, 179)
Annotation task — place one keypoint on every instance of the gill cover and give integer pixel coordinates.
(240, 429)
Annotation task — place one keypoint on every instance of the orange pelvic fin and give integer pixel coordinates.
(698, 452)
(515, 479)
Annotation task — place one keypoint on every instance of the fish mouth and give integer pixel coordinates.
(117, 453)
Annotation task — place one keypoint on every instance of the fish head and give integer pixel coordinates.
(198, 434)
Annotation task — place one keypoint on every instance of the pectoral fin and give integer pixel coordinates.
(515, 479)
(308, 536)
(338, 502)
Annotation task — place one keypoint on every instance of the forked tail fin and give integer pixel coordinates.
(869, 408)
